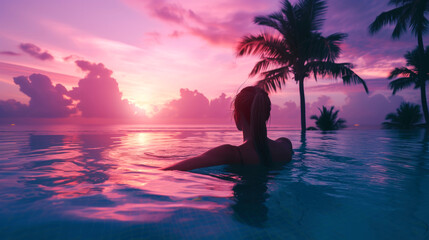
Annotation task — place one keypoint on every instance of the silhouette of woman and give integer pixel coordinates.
(252, 108)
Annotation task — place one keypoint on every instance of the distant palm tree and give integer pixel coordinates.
(328, 119)
(406, 116)
(297, 48)
(410, 76)
(408, 14)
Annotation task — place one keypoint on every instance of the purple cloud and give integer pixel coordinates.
(220, 107)
(46, 100)
(12, 108)
(175, 34)
(369, 110)
(9, 53)
(194, 107)
(289, 114)
(169, 11)
(35, 51)
(98, 93)
(190, 105)
(72, 58)
(218, 31)
(226, 32)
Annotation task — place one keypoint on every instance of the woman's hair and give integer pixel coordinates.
(254, 105)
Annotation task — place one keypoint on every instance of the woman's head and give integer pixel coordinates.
(252, 107)
(248, 99)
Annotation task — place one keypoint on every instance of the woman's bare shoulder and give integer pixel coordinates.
(284, 140)
(284, 149)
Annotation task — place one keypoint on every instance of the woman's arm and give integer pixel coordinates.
(224, 154)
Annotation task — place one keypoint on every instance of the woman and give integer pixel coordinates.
(252, 108)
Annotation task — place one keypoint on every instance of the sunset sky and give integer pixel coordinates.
(155, 48)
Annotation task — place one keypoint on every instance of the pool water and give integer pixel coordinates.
(87, 182)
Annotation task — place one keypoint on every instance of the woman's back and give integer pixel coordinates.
(280, 150)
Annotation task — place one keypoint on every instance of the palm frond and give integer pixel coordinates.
(288, 11)
(385, 18)
(401, 83)
(390, 116)
(341, 123)
(262, 45)
(418, 21)
(311, 14)
(401, 23)
(326, 48)
(250, 45)
(403, 71)
(412, 57)
(407, 14)
(337, 70)
(398, 2)
(270, 21)
(264, 64)
(274, 79)
(334, 114)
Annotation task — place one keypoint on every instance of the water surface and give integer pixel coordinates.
(88, 182)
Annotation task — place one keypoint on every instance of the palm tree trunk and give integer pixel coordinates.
(424, 102)
(302, 103)
(421, 76)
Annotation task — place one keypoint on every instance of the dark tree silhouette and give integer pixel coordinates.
(327, 120)
(410, 76)
(408, 14)
(406, 116)
(298, 48)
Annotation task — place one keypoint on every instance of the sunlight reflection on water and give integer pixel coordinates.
(105, 183)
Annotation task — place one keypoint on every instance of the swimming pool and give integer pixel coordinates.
(77, 182)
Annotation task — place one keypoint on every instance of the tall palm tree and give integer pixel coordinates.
(297, 48)
(406, 116)
(410, 76)
(408, 14)
(328, 119)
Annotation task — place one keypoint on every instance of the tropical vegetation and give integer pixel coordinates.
(297, 49)
(407, 116)
(328, 119)
(409, 14)
(409, 76)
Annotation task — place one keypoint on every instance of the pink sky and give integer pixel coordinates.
(158, 51)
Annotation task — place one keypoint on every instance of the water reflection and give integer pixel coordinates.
(250, 194)
(78, 160)
(95, 166)
(45, 141)
(189, 134)
(106, 176)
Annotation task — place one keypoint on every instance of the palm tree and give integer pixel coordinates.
(408, 14)
(406, 116)
(328, 119)
(297, 48)
(410, 76)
